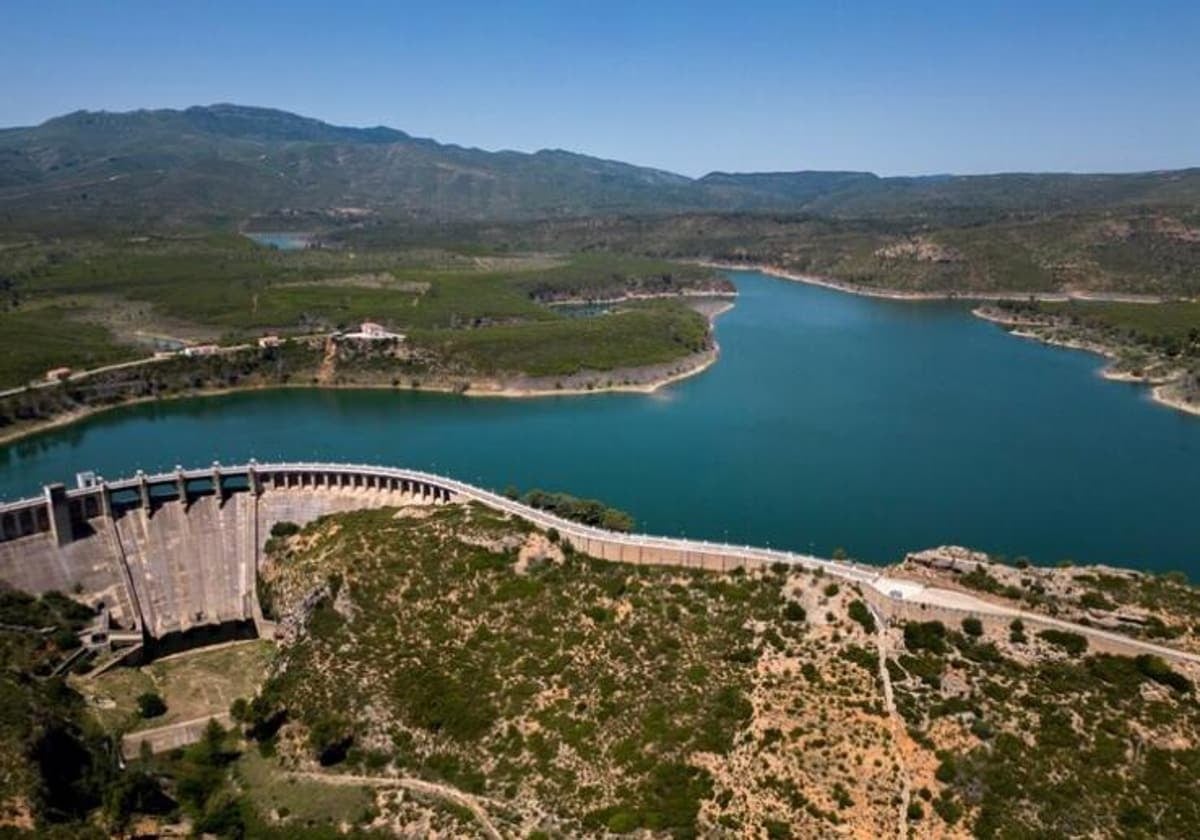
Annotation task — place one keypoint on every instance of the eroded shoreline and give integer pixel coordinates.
(1159, 386)
(900, 294)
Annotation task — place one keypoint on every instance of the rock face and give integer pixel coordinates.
(1140, 604)
(952, 558)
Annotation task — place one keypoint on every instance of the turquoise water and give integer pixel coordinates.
(830, 420)
(281, 241)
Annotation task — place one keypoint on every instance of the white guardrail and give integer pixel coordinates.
(875, 578)
(841, 569)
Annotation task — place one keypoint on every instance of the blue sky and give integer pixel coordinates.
(895, 87)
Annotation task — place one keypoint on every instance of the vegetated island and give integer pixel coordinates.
(451, 672)
(219, 313)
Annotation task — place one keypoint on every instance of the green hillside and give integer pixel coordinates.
(222, 163)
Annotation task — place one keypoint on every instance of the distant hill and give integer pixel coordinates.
(789, 188)
(222, 163)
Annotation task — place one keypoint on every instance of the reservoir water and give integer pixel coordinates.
(282, 241)
(830, 420)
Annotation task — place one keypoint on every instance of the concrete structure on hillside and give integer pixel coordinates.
(176, 554)
(370, 331)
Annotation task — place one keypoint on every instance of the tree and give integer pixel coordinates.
(135, 792)
(151, 705)
(972, 626)
(861, 613)
(330, 739)
(284, 529)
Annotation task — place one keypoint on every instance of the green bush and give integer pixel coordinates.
(1073, 643)
(587, 511)
(861, 613)
(330, 739)
(972, 626)
(283, 530)
(925, 635)
(792, 611)
(1157, 669)
(948, 809)
(151, 705)
(135, 792)
(1096, 601)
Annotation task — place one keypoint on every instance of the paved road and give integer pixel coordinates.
(896, 590)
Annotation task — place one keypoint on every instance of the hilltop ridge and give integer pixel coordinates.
(222, 162)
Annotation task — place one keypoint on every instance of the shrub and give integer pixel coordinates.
(151, 705)
(949, 810)
(831, 590)
(1073, 643)
(1095, 601)
(64, 639)
(587, 511)
(794, 612)
(777, 830)
(915, 811)
(330, 740)
(925, 635)
(135, 792)
(284, 529)
(862, 614)
(972, 626)
(1157, 669)
(841, 796)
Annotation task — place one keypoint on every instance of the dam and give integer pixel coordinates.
(171, 559)
(169, 554)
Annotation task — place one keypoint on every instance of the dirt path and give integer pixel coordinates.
(894, 720)
(328, 364)
(409, 783)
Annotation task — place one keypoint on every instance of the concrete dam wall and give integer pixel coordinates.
(162, 557)
(178, 553)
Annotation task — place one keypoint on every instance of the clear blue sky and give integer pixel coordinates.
(894, 87)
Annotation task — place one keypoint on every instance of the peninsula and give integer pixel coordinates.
(221, 314)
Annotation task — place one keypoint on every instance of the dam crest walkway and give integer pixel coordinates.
(163, 584)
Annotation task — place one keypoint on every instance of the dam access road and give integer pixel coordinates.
(164, 554)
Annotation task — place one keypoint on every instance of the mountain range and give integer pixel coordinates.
(223, 163)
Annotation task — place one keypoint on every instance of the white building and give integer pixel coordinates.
(371, 331)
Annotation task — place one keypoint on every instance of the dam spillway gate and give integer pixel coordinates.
(172, 553)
